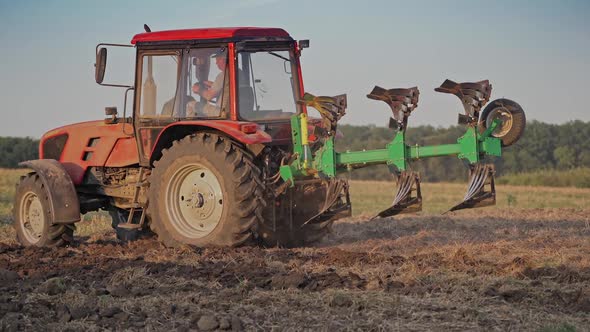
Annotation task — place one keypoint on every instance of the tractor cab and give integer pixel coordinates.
(201, 83)
(247, 79)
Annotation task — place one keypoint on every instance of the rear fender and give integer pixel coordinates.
(63, 199)
(233, 129)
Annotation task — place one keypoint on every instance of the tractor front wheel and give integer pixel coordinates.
(205, 191)
(33, 220)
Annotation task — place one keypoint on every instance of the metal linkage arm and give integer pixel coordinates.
(472, 146)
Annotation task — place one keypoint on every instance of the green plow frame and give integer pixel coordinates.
(473, 146)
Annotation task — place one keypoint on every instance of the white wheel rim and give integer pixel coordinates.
(32, 217)
(505, 116)
(194, 201)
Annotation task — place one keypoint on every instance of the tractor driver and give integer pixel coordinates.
(218, 89)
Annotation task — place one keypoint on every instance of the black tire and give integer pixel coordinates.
(222, 206)
(120, 216)
(33, 219)
(514, 118)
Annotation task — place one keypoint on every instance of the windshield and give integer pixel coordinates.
(192, 85)
(266, 85)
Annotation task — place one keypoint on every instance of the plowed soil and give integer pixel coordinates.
(474, 270)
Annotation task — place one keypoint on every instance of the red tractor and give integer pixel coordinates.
(219, 149)
(197, 161)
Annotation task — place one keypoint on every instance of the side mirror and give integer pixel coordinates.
(100, 65)
(304, 43)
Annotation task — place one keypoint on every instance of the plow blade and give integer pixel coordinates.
(408, 198)
(473, 96)
(481, 176)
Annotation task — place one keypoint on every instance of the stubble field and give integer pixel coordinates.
(521, 265)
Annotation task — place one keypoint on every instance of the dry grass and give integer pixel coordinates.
(8, 180)
(372, 196)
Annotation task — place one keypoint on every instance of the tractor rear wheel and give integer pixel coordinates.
(205, 191)
(33, 220)
(120, 216)
(512, 116)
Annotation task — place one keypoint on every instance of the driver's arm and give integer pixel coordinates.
(209, 94)
(215, 88)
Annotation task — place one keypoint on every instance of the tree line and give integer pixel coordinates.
(13, 150)
(543, 147)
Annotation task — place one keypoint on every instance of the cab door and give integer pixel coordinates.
(157, 101)
(166, 85)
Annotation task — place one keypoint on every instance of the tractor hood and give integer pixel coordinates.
(78, 126)
(90, 144)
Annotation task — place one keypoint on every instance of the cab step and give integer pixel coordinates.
(129, 226)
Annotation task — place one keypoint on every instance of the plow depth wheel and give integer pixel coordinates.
(512, 117)
(33, 220)
(204, 191)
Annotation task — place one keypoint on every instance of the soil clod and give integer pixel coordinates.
(53, 286)
(207, 323)
(8, 276)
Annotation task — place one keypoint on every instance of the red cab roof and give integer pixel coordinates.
(209, 33)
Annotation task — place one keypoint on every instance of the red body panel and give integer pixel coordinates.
(124, 153)
(210, 33)
(231, 128)
(79, 154)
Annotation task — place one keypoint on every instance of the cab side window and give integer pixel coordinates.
(159, 82)
(208, 79)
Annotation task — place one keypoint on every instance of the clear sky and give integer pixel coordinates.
(535, 52)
